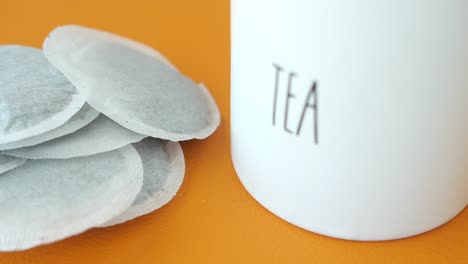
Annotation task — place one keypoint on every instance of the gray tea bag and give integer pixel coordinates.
(99, 136)
(131, 84)
(8, 163)
(49, 200)
(34, 96)
(164, 169)
(85, 116)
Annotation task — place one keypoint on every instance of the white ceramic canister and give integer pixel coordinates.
(350, 118)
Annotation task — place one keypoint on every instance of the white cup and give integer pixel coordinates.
(350, 118)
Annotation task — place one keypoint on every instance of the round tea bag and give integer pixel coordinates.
(132, 85)
(164, 169)
(8, 163)
(99, 136)
(48, 200)
(85, 116)
(34, 96)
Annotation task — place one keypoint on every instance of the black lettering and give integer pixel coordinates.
(288, 97)
(313, 91)
(278, 69)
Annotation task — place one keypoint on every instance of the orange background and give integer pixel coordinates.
(212, 219)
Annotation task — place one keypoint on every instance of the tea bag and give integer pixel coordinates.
(99, 136)
(131, 84)
(77, 121)
(164, 169)
(34, 96)
(8, 163)
(49, 200)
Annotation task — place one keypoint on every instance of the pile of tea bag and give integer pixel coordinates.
(89, 127)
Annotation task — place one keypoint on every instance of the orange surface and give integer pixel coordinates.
(212, 219)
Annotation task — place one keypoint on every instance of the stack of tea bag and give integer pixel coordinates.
(88, 134)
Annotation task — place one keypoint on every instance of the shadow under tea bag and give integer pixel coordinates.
(164, 169)
(85, 116)
(99, 136)
(8, 163)
(34, 96)
(132, 84)
(49, 200)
